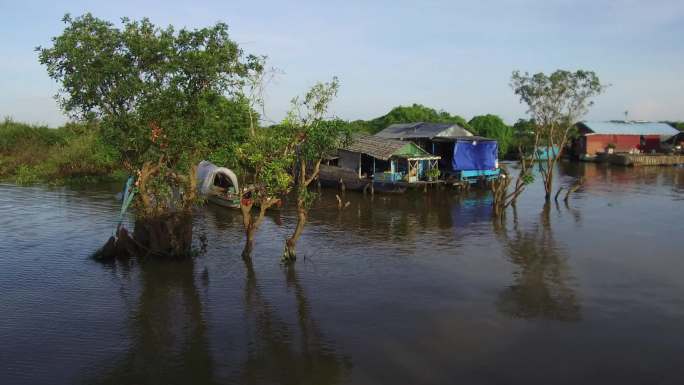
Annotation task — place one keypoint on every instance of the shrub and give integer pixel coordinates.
(31, 154)
(14, 135)
(84, 155)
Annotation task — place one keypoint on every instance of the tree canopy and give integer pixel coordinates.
(492, 126)
(677, 125)
(155, 90)
(409, 114)
(555, 103)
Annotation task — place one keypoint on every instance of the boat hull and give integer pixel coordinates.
(223, 202)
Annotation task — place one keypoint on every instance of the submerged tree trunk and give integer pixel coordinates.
(303, 182)
(249, 227)
(249, 243)
(548, 185)
(290, 252)
(251, 223)
(168, 236)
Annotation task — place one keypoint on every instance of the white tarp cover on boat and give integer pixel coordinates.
(206, 172)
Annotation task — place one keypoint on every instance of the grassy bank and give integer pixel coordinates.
(74, 153)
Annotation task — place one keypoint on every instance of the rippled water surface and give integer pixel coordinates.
(416, 289)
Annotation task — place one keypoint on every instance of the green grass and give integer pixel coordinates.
(74, 153)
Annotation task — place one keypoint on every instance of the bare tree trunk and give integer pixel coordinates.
(251, 224)
(548, 185)
(290, 252)
(248, 225)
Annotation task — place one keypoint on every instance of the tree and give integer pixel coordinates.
(491, 126)
(415, 113)
(163, 98)
(314, 137)
(555, 102)
(677, 125)
(267, 159)
(361, 126)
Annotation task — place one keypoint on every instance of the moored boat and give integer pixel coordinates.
(219, 185)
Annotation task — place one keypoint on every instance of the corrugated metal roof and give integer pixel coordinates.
(380, 148)
(630, 128)
(474, 138)
(423, 130)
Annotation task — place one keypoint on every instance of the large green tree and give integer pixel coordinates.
(492, 126)
(555, 102)
(163, 97)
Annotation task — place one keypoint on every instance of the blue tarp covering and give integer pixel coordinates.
(543, 152)
(474, 155)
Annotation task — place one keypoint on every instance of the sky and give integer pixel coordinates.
(452, 55)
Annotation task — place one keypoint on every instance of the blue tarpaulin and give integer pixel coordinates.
(543, 152)
(474, 155)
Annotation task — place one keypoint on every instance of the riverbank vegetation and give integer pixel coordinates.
(73, 153)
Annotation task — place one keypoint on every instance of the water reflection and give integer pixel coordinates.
(541, 283)
(278, 354)
(412, 287)
(404, 219)
(168, 342)
(624, 180)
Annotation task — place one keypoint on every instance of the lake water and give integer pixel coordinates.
(411, 289)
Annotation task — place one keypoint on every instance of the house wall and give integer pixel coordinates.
(593, 144)
(443, 149)
(348, 159)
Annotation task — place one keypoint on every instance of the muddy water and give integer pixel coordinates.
(419, 288)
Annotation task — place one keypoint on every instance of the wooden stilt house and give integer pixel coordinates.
(381, 161)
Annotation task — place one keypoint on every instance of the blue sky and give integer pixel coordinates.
(451, 55)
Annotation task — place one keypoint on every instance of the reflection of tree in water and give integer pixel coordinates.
(276, 354)
(169, 345)
(168, 333)
(540, 288)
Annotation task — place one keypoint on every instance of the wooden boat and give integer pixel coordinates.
(224, 198)
(218, 184)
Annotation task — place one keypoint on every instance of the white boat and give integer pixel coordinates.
(219, 185)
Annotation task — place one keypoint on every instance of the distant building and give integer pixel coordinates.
(621, 136)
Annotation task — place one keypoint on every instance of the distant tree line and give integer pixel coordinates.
(489, 125)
